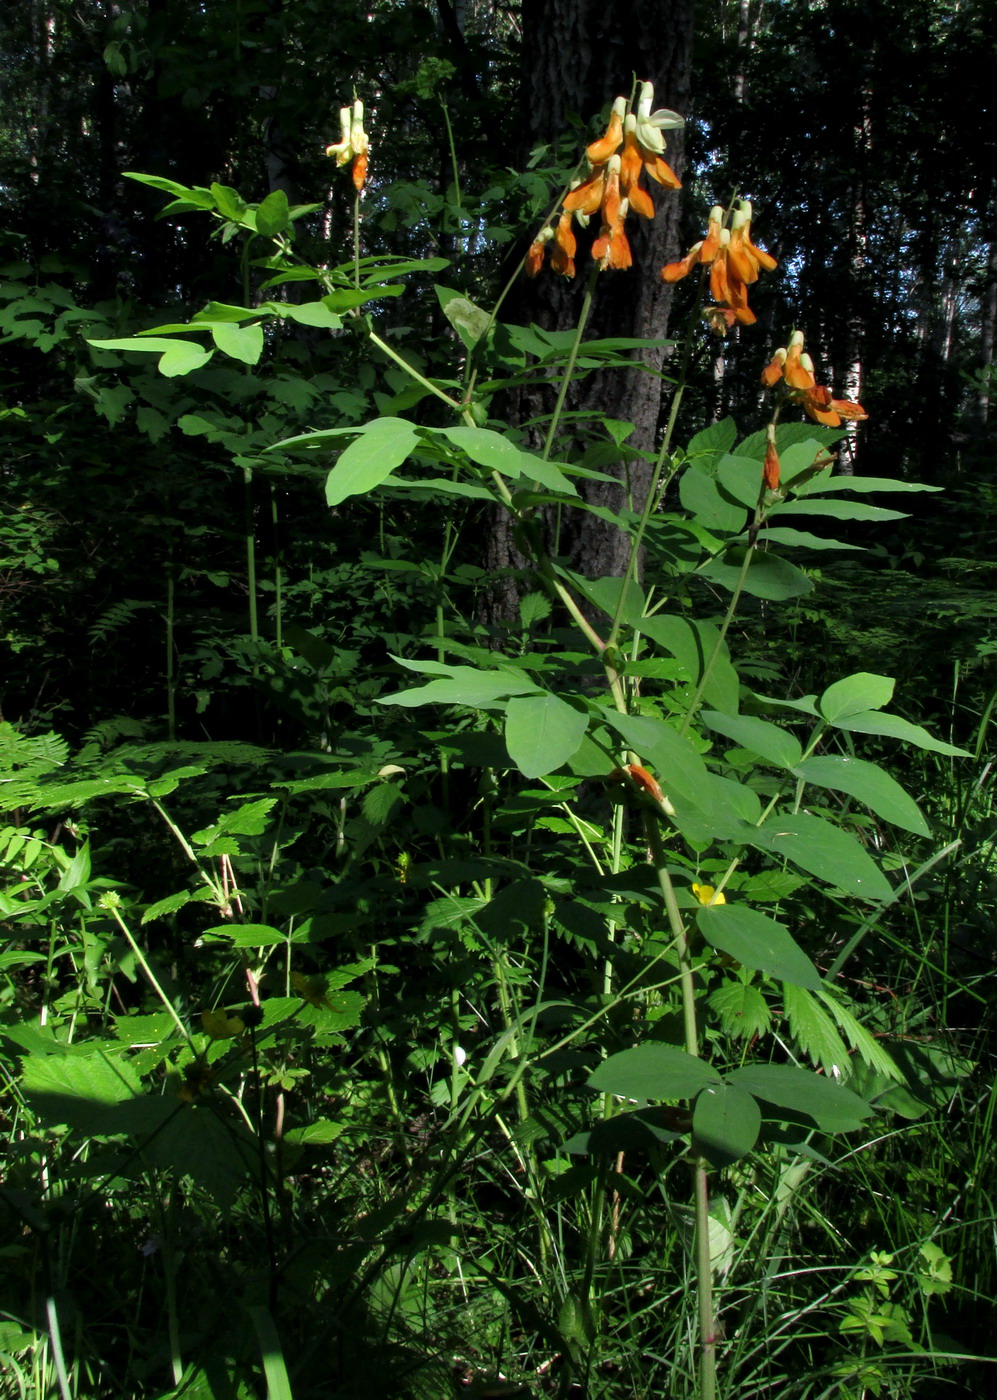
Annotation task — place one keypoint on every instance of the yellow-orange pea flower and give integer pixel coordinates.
(353, 143)
(794, 366)
(734, 262)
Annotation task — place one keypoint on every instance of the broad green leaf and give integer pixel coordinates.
(758, 942)
(893, 727)
(314, 313)
(852, 694)
(767, 740)
(490, 449)
(381, 446)
(604, 593)
(141, 344)
(802, 539)
(692, 643)
(653, 1071)
(465, 686)
(825, 851)
(183, 357)
(542, 732)
(273, 215)
(863, 484)
(814, 1032)
(701, 497)
(230, 202)
(837, 510)
(768, 576)
(346, 298)
(832, 1107)
(741, 478)
(717, 438)
(469, 321)
(725, 1123)
(243, 343)
(866, 781)
(668, 753)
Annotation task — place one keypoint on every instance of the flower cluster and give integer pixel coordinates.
(353, 143)
(633, 144)
(734, 263)
(795, 368)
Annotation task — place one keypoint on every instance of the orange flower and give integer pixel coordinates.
(612, 187)
(353, 143)
(734, 262)
(795, 367)
(770, 469)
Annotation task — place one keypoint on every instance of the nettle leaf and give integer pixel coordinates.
(725, 1123)
(862, 1041)
(741, 1009)
(893, 727)
(850, 696)
(758, 942)
(825, 851)
(653, 1071)
(380, 447)
(814, 1032)
(866, 781)
(832, 1107)
(542, 732)
(776, 745)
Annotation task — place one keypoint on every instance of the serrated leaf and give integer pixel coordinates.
(380, 447)
(758, 942)
(725, 1124)
(862, 1041)
(542, 732)
(741, 1009)
(867, 782)
(814, 1032)
(824, 850)
(653, 1071)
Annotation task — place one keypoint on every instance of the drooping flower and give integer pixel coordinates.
(612, 189)
(353, 143)
(795, 368)
(770, 467)
(734, 262)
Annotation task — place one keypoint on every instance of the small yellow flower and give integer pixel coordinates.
(707, 894)
(219, 1025)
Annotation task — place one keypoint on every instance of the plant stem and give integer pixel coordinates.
(569, 368)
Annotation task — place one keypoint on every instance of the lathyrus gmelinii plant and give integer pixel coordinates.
(719, 814)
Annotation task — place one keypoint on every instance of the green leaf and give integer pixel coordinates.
(718, 437)
(758, 942)
(867, 782)
(701, 497)
(542, 732)
(469, 321)
(741, 1009)
(768, 576)
(837, 510)
(465, 686)
(802, 539)
(825, 851)
(832, 1107)
(776, 745)
(893, 727)
(314, 313)
(273, 215)
(862, 691)
(653, 1071)
(183, 357)
(380, 447)
(229, 202)
(243, 343)
(725, 1124)
(824, 483)
(667, 751)
(814, 1032)
(247, 935)
(862, 1041)
(741, 478)
(692, 643)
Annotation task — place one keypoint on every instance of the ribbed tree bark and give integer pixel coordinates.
(577, 56)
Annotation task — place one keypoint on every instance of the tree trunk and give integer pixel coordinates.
(578, 56)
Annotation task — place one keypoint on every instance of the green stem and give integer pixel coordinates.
(278, 579)
(356, 241)
(250, 536)
(704, 679)
(427, 384)
(171, 712)
(569, 368)
(111, 906)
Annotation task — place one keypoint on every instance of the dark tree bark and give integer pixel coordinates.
(577, 56)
